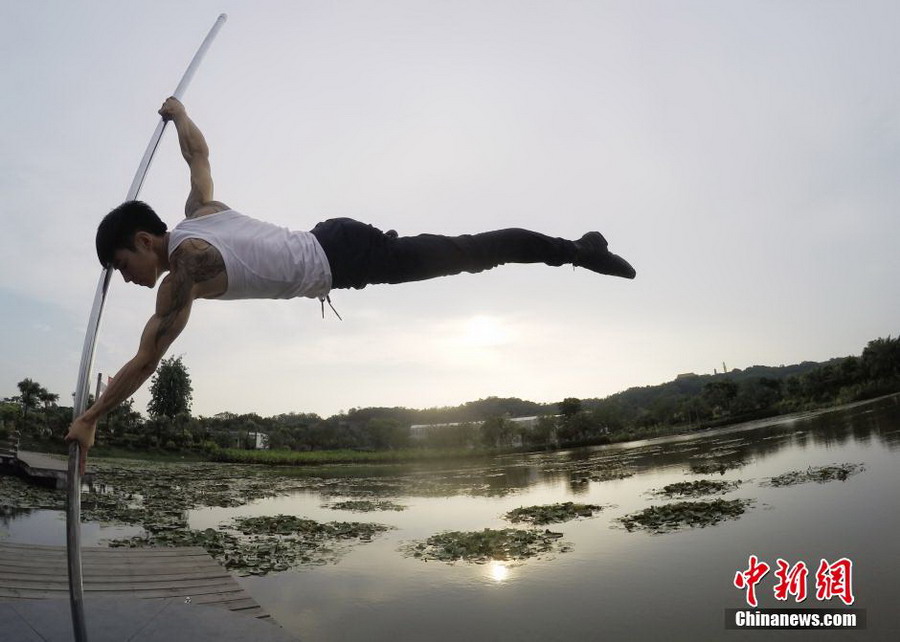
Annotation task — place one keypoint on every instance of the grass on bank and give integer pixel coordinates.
(320, 457)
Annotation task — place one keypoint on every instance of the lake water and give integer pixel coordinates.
(612, 584)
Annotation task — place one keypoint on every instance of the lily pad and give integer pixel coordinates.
(610, 474)
(819, 474)
(551, 513)
(365, 505)
(713, 466)
(15, 493)
(486, 545)
(670, 517)
(696, 488)
(265, 544)
(311, 529)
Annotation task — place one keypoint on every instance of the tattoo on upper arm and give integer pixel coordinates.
(198, 260)
(194, 262)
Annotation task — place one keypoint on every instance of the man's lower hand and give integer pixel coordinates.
(82, 430)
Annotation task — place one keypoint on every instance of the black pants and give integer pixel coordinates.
(361, 255)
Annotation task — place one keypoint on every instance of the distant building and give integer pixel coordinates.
(686, 375)
(418, 432)
(259, 439)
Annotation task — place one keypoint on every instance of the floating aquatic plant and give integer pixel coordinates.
(714, 466)
(551, 513)
(257, 557)
(669, 517)
(291, 525)
(610, 474)
(365, 505)
(696, 488)
(266, 544)
(819, 474)
(486, 545)
(16, 494)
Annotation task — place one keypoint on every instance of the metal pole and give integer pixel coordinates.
(73, 507)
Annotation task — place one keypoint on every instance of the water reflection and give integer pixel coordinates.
(498, 572)
(724, 449)
(9, 514)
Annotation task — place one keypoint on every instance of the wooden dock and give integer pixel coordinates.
(29, 572)
(48, 470)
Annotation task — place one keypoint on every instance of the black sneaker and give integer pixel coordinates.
(592, 255)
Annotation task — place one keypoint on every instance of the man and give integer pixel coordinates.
(217, 253)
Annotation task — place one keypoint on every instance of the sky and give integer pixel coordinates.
(743, 156)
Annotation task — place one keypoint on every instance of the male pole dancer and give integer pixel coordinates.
(217, 253)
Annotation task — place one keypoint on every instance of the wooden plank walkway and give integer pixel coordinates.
(30, 572)
(44, 468)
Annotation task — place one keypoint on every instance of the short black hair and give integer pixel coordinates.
(117, 229)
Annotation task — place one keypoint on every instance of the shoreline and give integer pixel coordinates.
(277, 458)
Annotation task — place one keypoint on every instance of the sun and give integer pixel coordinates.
(484, 331)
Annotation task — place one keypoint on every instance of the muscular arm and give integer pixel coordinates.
(196, 270)
(173, 309)
(196, 154)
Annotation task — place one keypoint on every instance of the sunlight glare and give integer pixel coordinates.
(498, 571)
(485, 331)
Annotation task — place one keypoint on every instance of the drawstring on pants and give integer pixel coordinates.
(322, 300)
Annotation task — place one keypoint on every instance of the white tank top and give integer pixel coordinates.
(262, 260)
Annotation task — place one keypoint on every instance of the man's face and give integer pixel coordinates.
(137, 266)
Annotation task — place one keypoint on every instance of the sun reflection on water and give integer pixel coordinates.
(498, 571)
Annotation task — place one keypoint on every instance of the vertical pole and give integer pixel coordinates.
(73, 506)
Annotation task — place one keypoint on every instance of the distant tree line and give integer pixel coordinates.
(693, 400)
(688, 402)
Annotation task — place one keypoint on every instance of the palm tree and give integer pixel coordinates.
(30, 395)
(48, 398)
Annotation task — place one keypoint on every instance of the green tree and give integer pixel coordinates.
(47, 398)
(569, 407)
(720, 395)
(495, 432)
(9, 413)
(822, 384)
(696, 409)
(793, 387)
(881, 358)
(575, 427)
(757, 394)
(170, 389)
(30, 393)
(610, 414)
(387, 434)
(543, 432)
(462, 435)
(121, 421)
